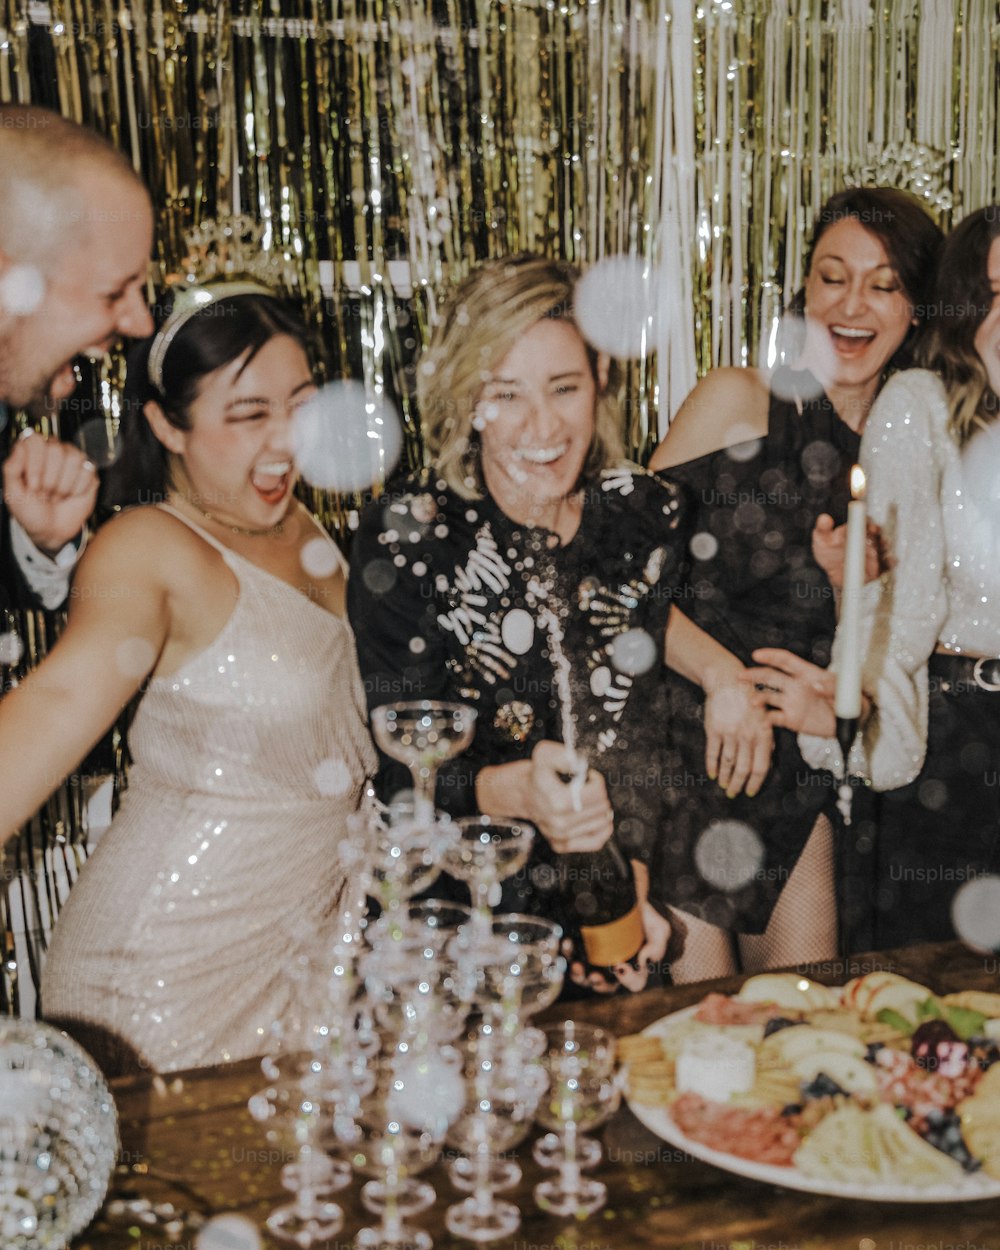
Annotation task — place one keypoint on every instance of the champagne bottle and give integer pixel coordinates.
(601, 907)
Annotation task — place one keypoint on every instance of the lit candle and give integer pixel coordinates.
(847, 701)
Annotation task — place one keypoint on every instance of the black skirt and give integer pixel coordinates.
(943, 829)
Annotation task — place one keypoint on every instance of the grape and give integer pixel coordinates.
(944, 1131)
(932, 1044)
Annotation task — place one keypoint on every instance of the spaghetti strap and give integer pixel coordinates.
(212, 541)
(320, 533)
(225, 551)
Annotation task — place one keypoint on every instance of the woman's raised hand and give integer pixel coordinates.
(795, 694)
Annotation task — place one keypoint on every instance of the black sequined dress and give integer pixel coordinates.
(449, 599)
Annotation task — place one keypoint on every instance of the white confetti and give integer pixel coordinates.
(344, 439)
(427, 1093)
(332, 777)
(319, 558)
(795, 385)
(728, 854)
(11, 648)
(704, 546)
(622, 306)
(634, 652)
(975, 913)
(228, 1232)
(746, 443)
(22, 289)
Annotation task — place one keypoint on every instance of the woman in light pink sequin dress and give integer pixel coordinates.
(225, 601)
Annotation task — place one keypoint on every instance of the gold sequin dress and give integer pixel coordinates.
(176, 940)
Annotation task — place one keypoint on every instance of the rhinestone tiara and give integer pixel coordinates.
(224, 258)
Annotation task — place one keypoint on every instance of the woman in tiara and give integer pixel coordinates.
(223, 601)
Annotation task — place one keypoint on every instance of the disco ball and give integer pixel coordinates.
(58, 1137)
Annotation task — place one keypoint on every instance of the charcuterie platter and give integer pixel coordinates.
(878, 1089)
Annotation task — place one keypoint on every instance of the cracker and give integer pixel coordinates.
(639, 1047)
(983, 1001)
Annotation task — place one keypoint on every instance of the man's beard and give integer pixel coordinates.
(17, 386)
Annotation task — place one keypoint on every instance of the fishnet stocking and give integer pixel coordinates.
(802, 928)
(803, 925)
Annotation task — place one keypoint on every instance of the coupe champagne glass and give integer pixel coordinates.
(440, 919)
(499, 1105)
(422, 735)
(395, 1134)
(419, 990)
(583, 1093)
(486, 852)
(397, 856)
(522, 973)
(292, 1108)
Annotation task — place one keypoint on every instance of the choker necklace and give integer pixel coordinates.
(269, 531)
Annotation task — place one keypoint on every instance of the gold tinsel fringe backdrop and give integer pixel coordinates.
(432, 133)
(389, 144)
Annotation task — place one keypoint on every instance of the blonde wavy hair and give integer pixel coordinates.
(485, 316)
(962, 300)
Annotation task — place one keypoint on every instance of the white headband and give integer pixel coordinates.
(191, 300)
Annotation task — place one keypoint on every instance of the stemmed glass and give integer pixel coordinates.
(397, 856)
(292, 1108)
(396, 1133)
(487, 851)
(522, 973)
(500, 1103)
(422, 735)
(583, 1093)
(419, 988)
(316, 1062)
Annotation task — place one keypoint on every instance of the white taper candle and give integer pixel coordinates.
(847, 700)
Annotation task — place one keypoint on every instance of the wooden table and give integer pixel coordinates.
(191, 1142)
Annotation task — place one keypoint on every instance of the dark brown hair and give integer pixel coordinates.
(962, 299)
(912, 242)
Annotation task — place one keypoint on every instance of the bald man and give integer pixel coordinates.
(75, 233)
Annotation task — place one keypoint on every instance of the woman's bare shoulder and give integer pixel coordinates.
(146, 542)
(727, 406)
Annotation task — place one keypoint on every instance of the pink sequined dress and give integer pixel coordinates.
(174, 946)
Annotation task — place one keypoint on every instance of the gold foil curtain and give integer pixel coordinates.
(389, 144)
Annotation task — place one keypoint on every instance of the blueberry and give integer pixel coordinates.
(822, 1086)
(944, 1131)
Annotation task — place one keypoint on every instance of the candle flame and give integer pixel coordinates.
(857, 482)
